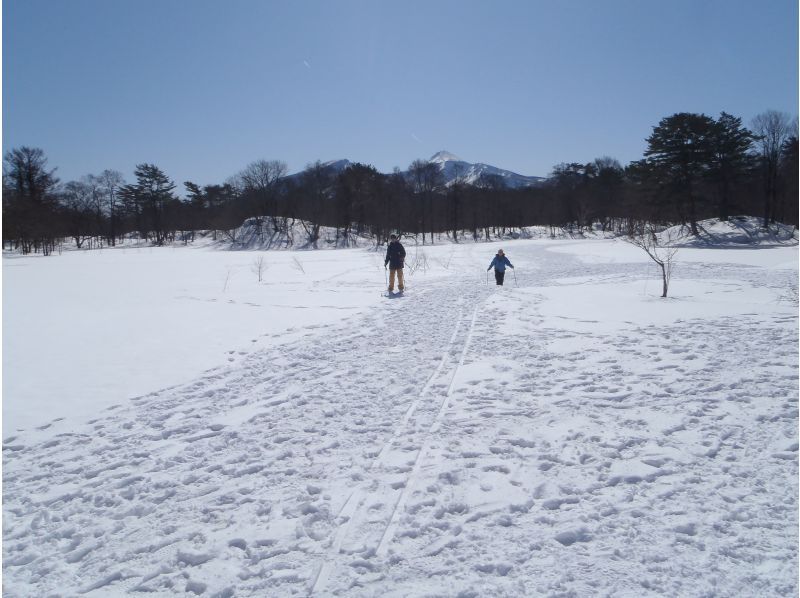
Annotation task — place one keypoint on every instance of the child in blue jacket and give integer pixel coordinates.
(499, 262)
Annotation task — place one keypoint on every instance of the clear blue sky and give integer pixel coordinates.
(202, 88)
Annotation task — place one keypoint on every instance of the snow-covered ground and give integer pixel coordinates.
(87, 330)
(568, 435)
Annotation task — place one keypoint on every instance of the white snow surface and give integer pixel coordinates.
(187, 430)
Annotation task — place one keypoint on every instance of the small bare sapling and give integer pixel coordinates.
(663, 256)
(259, 267)
(418, 263)
(227, 279)
(297, 265)
(445, 262)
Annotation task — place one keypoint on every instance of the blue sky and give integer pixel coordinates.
(202, 88)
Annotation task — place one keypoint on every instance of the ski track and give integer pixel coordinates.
(417, 450)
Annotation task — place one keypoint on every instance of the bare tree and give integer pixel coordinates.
(315, 183)
(455, 197)
(259, 181)
(607, 184)
(788, 209)
(78, 202)
(426, 180)
(263, 174)
(110, 183)
(94, 228)
(29, 200)
(259, 267)
(297, 265)
(663, 255)
(418, 262)
(772, 129)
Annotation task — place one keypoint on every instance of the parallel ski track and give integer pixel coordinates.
(359, 495)
(388, 533)
(179, 434)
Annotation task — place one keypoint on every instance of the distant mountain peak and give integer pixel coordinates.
(444, 156)
(455, 169)
(337, 165)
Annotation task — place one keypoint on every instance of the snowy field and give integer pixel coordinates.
(173, 426)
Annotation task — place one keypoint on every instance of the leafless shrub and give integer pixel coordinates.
(445, 262)
(227, 279)
(297, 265)
(663, 256)
(418, 263)
(259, 267)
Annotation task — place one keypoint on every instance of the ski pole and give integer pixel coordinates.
(515, 276)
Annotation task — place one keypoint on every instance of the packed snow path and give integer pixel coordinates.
(453, 442)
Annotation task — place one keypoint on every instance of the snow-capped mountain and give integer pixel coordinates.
(337, 165)
(453, 168)
(331, 166)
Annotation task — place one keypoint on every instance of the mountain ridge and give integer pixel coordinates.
(455, 169)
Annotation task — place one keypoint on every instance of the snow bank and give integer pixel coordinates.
(737, 231)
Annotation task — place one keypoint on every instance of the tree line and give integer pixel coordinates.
(695, 167)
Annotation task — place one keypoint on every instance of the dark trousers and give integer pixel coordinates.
(498, 276)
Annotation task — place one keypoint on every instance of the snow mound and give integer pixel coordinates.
(738, 231)
(260, 234)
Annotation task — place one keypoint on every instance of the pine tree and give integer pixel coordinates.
(148, 199)
(679, 151)
(730, 159)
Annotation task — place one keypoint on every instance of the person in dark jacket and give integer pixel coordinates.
(499, 264)
(395, 255)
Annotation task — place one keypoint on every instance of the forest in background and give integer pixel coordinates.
(695, 167)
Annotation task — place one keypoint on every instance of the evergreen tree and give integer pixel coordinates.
(149, 198)
(680, 150)
(730, 158)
